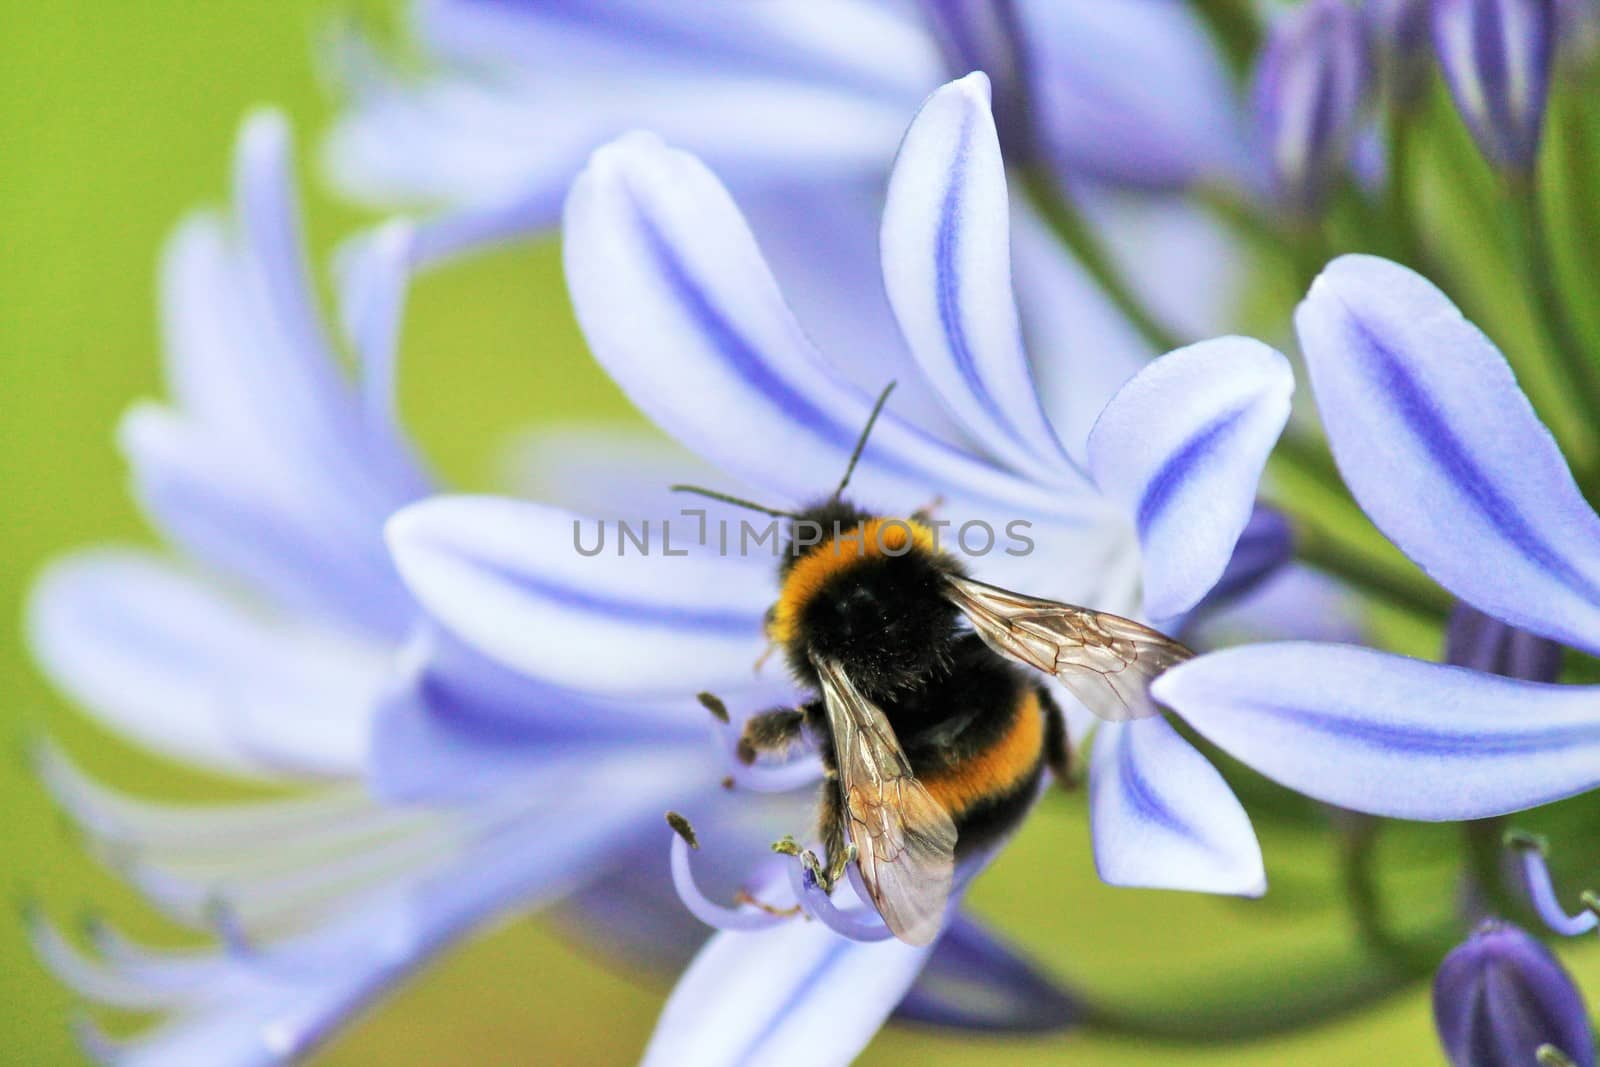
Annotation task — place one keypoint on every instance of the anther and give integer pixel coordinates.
(786, 846)
(715, 706)
(1550, 1056)
(1522, 840)
(681, 827)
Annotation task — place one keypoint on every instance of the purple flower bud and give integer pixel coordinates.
(1496, 56)
(1486, 644)
(1399, 31)
(1500, 995)
(1311, 85)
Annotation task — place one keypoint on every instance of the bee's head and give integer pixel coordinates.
(858, 588)
(865, 591)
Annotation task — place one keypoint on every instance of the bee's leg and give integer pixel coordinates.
(772, 731)
(1057, 746)
(925, 513)
(836, 852)
(772, 646)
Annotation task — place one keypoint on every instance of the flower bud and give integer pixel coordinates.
(1500, 995)
(1311, 85)
(1484, 643)
(1400, 34)
(1496, 57)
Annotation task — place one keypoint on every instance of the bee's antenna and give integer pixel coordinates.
(735, 501)
(861, 443)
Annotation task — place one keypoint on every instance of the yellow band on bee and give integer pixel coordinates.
(996, 770)
(872, 539)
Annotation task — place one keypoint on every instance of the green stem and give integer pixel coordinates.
(1075, 233)
(1357, 873)
(1235, 28)
(1531, 238)
(1486, 863)
(1322, 989)
(1402, 217)
(1580, 162)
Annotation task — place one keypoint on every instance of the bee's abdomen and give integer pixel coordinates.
(987, 792)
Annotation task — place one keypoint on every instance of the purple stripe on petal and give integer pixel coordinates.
(1181, 447)
(1435, 431)
(949, 282)
(1144, 800)
(1170, 475)
(741, 353)
(1388, 735)
(1444, 451)
(734, 623)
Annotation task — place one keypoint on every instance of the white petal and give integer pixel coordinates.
(947, 268)
(1182, 446)
(677, 302)
(1163, 816)
(507, 577)
(797, 994)
(173, 663)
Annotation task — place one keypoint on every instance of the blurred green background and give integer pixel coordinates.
(117, 118)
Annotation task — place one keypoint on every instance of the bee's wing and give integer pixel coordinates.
(1108, 662)
(905, 841)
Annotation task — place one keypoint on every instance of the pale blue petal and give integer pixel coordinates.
(1163, 818)
(821, 239)
(1388, 735)
(279, 1002)
(374, 274)
(619, 471)
(797, 994)
(275, 537)
(947, 268)
(678, 304)
(1082, 348)
(1188, 267)
(467, 728)
(1181, 447)
(165, 658)
(762, 90)
(1445, 453)
(505, 576)
(859, 43)
(1131, 93)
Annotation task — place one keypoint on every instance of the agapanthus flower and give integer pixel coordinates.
(1445, 454)
(278, 643)
(678, 304)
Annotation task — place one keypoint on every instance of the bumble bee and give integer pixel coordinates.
(932, 740)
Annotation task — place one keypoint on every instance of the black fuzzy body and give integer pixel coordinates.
(889, 624)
